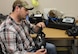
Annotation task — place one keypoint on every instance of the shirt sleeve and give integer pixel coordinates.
(31, 27)
(8, 38)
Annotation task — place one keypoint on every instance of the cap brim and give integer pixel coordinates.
(30, 8)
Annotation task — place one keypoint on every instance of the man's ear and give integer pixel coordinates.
(17, 8)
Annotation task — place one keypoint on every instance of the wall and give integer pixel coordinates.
(69, 7)
(5, 6)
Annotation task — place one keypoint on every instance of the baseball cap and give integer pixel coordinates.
(22, 3)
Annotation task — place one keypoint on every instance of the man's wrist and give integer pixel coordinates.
(33, 53)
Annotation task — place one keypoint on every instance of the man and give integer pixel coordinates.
(14, 32)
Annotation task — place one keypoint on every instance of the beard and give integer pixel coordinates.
(21, 18)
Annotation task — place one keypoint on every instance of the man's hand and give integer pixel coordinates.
(41, 51)
(40, 24)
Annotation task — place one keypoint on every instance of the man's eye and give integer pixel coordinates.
(26, 10)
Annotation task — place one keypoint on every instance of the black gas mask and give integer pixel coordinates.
(40, 39)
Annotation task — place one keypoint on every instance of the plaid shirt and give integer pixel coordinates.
(15, 38)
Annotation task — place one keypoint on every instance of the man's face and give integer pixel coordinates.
(23, 13)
